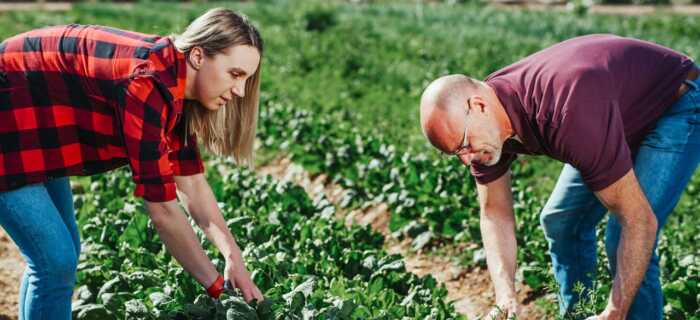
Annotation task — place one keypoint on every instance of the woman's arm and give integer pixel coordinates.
(180, 240)
(198, 198)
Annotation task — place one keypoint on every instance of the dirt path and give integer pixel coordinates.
(43, 6)
(11, 269)
(624, 10)
(471, 289)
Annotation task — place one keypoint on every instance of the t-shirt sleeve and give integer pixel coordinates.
(593, 141)
(144, 115)
(485, 174)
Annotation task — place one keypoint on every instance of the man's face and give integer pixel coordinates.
(480, 141)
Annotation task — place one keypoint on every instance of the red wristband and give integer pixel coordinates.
(216, 288)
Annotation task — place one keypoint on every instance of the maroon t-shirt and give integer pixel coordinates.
(587, 101)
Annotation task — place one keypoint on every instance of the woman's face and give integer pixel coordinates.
(221, 77)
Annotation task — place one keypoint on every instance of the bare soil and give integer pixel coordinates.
(608, 9)
(44, 6)
(11, 269)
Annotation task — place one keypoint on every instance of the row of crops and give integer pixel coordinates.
(308, 265)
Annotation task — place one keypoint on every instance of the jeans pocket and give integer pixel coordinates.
(694, 119)
(672, 132)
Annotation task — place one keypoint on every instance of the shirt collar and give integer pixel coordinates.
(174, 70)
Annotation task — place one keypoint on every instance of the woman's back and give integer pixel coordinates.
(60, 92)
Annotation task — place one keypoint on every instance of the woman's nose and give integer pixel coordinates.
(239, 89)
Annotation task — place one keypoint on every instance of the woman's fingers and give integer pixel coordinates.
(243, 282)
(258, 295)
(247, 294)
(247, 289)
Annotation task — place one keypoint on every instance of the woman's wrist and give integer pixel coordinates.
(216, 288)
(234, 254)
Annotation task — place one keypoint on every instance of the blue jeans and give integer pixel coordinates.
(664, 164)
(40, 219)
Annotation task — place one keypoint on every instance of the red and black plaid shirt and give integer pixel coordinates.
(79, 100)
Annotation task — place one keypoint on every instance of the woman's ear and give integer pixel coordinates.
(196, 57)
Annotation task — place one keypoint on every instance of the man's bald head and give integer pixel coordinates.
(442, 109)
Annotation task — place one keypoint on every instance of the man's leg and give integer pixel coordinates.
(569, 219)
(664, 164)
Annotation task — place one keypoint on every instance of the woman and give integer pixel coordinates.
(79, 100)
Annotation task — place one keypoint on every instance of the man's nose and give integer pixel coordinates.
(468, 158)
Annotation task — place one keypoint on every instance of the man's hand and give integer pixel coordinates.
(505, 311)
(607, 315)
(239, 277)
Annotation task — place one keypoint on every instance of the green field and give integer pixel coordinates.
(341, 85)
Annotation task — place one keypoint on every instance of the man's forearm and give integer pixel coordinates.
(176, 233)
(633, 255)
(498, 233)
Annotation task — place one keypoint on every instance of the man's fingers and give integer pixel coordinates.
(495, 314)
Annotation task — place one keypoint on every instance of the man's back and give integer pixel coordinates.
(587, 101)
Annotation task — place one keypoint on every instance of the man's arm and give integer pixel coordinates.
(497, 222)
(627, 202)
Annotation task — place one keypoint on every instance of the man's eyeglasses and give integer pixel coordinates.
(464, 146)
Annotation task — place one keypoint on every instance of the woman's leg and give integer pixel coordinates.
(34, 223)
(60, 192)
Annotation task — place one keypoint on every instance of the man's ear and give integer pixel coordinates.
(477, 102)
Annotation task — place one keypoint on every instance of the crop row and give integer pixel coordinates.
(307, 264)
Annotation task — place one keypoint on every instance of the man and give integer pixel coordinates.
(623, 114)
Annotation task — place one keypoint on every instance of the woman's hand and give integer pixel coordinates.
(239, 277)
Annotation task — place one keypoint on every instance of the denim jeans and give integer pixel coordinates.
(40, 219)
(664, 164)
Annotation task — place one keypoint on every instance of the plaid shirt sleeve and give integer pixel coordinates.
(144, 116)
(185, 159)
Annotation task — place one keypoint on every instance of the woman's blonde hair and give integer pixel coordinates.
(230, 130)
